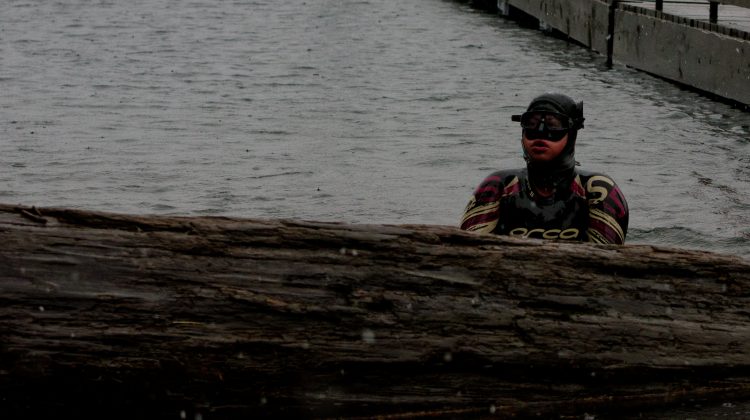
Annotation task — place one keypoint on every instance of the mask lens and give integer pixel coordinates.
(544, 125)
(551, 135)
(541, 120)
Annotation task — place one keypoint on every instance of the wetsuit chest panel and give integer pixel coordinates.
(548, 218)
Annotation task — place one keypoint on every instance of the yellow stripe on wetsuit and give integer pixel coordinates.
(480, 211)
(607, 220)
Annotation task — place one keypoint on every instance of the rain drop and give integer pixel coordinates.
(368, 336)
(183, 414)
(492, 409)
(263, 400)
(41, 308)
(448, 356)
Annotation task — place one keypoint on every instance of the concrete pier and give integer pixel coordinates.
(697, 43)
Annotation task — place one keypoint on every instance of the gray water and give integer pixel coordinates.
(381, 111)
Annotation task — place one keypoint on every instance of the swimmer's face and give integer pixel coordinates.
(542, 150)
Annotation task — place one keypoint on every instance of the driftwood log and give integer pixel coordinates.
(218, 317)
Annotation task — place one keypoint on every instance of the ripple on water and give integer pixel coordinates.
(685, 237)
(394, 109)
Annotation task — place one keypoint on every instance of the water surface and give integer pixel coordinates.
(366, 111)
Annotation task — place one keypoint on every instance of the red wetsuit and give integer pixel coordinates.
(592, 209)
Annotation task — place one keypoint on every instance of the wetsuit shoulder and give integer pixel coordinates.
(493, 186)
(608, 209)
(481, 213)
(585, 175)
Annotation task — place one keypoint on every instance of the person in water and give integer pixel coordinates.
(550, 198)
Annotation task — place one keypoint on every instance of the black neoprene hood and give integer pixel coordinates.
(561, 170)
(562, 104)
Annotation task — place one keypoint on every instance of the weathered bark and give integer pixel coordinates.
(162, 315)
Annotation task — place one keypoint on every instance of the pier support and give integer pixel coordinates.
(713, 11)
(611, 31)
(503, 7)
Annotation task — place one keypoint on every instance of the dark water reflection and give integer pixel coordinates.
(377, 112)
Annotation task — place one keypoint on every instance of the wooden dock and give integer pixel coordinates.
(726, 15)
(701, 44)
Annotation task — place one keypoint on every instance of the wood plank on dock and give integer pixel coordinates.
(729, 15)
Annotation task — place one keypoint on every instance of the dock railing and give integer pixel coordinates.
(656, 9)
(740, 3)
(713, 6)
(703, 44)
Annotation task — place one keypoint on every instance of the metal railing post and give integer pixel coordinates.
(713, 11)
